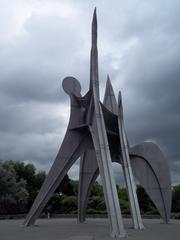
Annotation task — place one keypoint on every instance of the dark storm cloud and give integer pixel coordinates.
(138, 46)
(33, 109)
(34, 65)
(153, 83)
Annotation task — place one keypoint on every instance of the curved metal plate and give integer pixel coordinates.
(151, 170)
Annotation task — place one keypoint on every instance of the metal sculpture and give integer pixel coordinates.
(96, 135)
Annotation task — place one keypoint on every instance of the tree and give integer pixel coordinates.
(39, 179)
(145, 203)
(28, 173)
(69, 204)
(176, 199)
(123, 200)
(14, 195)
(67, 186)
(96, 202)
(97, 190)
(64, 200)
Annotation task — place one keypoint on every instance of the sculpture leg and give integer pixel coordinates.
(105, 168)
(150, 168)
(127, 170)
(71, 148)
(87, 176)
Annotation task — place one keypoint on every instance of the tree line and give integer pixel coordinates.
(20, 183)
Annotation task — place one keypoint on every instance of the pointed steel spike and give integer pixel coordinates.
(109, 83)
(121, 114)
(94, 29)
(94, 79)
(109, 97)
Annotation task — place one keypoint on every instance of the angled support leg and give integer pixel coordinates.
(64, 160)
(127, 170)
(111, 104)
(88, 165)
(87, 176)
(105, 168)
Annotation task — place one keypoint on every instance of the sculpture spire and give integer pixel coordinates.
(94, 78)
(109, 97)
(94, 29)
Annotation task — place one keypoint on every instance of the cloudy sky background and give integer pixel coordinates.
(43, 41)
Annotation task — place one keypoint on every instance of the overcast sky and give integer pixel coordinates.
(43, 41)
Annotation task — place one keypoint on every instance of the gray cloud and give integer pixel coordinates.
(42, 42)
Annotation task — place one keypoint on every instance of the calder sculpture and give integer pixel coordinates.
(96, 135)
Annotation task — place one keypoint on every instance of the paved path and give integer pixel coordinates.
(96, 229)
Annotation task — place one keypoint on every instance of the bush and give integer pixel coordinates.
(124, 206)
(97, 203)
(94, 211)
(69, 204)
(176, 215)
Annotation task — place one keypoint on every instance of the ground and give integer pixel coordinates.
(96, 229)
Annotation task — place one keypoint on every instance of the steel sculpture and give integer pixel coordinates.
(96, 135)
